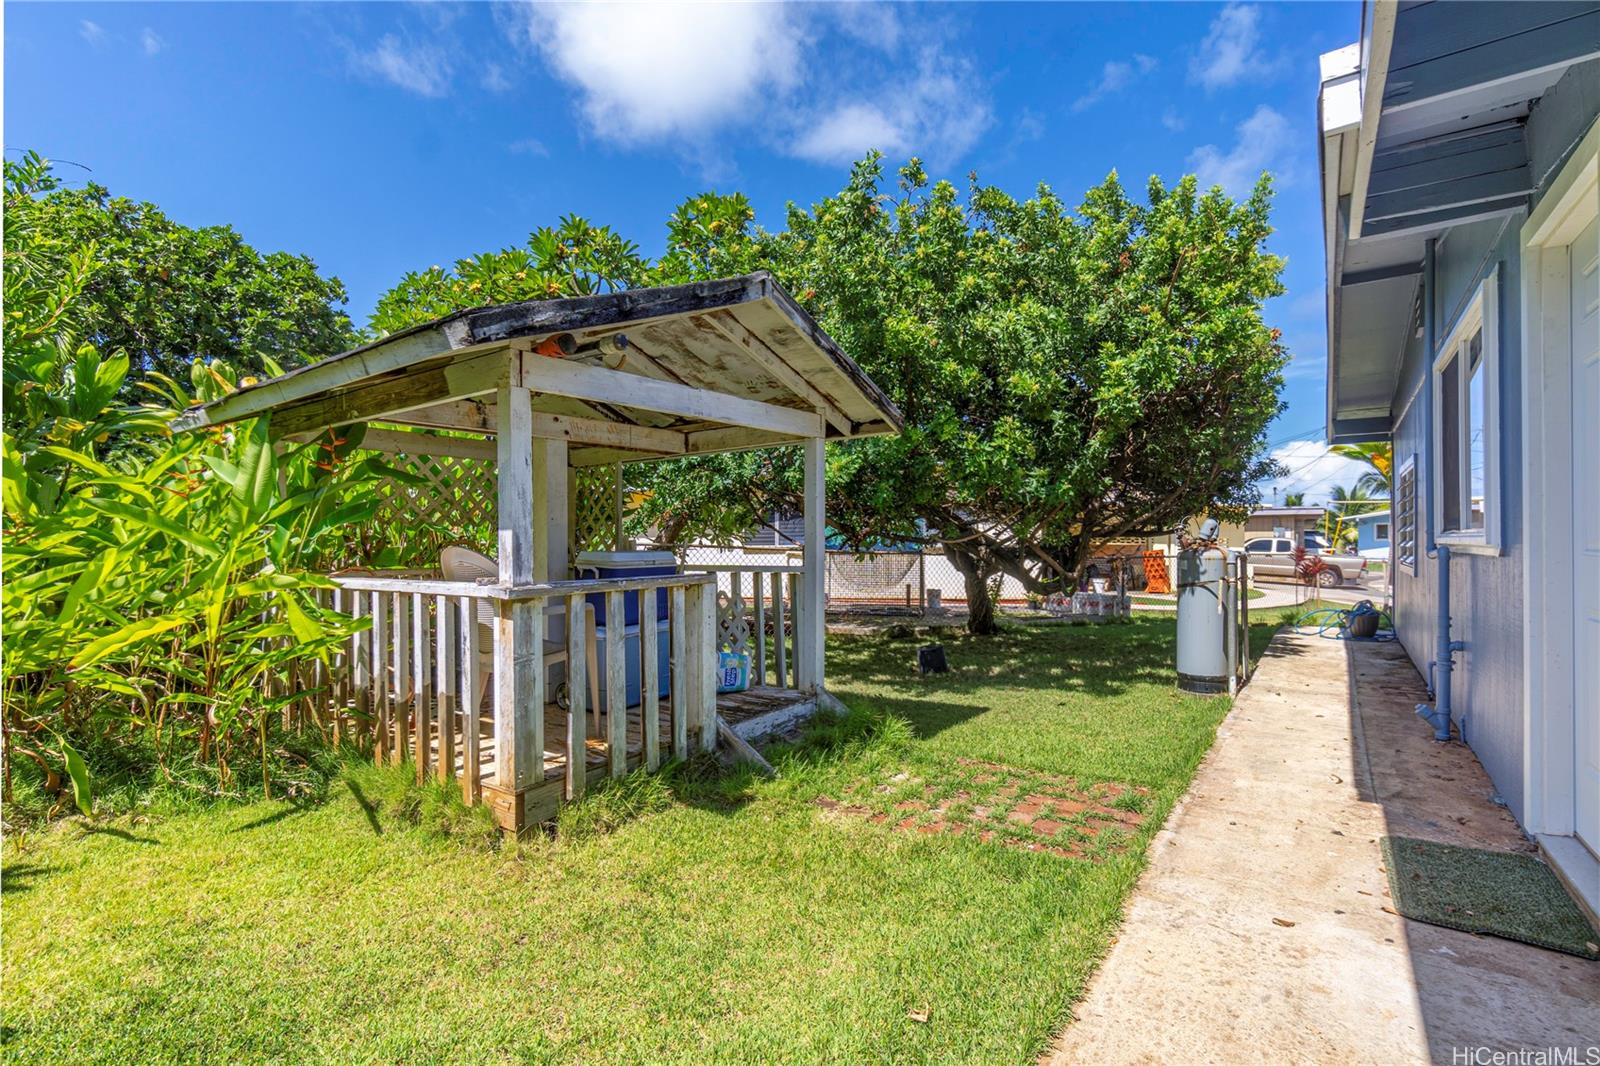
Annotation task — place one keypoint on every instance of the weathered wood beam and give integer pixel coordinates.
(476, 416)
(453, 380)
(700, 442)
(445, 342)
(562, 378)
(729, 326)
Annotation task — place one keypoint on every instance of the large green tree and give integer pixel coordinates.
(1068, 377)
(162, 293)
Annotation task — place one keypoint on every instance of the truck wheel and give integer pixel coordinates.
(1330, 579)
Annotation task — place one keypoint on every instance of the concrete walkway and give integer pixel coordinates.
(1262, 932)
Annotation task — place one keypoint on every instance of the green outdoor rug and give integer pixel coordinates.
(1496, 893)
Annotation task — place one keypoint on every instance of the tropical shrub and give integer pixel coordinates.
(158, 589)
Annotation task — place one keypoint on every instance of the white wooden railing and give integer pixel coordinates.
(759, 608)
(413, 683)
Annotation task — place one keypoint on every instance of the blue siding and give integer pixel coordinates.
(1486, 594)
(1486, 591)
(1367, 538)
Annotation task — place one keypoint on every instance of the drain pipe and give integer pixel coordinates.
(1443, 665)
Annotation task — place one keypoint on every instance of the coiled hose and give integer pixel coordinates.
(1335, 622)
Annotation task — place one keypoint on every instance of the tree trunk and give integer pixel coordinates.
(975, 573)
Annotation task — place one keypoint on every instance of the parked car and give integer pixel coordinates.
(1274, 557)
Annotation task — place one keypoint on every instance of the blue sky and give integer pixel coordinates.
(380, 138)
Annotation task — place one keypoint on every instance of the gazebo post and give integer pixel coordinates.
(518, 701)
(810, 619)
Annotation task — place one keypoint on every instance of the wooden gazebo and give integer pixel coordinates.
(540, 394)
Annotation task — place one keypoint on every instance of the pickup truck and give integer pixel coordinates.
(1274, 557)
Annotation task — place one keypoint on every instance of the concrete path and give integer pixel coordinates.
(1261, 930)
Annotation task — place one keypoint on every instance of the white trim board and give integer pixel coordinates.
(1548, 642)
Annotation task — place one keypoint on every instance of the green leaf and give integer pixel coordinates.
(158, 522)
(78, 772)
(257, 484)
(125, 637)
(304, 628)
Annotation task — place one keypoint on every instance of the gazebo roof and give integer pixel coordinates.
(639, 374)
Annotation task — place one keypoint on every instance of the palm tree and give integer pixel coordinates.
(1294, 499)
(1344, 504)
(1380, 457)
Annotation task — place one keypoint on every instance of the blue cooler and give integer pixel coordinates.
(626, 564)
(630, 661)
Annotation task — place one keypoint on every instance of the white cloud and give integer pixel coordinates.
(646, 72)
(495, 79)
(1173, 121)
(92, 32)
(528, 146)
(1312, 470)
(872, 22)
(1262, 141)
(825, 83)
(151, 41)
(937, 113)
(1115, 76)
(1229, 51)
(423, 69)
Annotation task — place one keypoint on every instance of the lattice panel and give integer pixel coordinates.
(454, 505)
(594, 515)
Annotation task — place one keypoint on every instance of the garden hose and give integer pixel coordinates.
(1334, 623)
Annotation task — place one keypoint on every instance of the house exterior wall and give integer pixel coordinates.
(1367, 538)
(1486, 591)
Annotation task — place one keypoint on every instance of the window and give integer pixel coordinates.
(1382, 530)
(1283, 547)
(1466, 424)
(1258, 546)
(1405, 515)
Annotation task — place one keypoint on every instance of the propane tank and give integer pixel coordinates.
(1207, 606)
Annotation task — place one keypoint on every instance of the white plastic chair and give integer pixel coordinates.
(463, 564)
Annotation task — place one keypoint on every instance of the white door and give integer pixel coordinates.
(1584, 255)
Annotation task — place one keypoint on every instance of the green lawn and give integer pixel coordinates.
(736, 921)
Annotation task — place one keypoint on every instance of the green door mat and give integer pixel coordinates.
(1496, 893)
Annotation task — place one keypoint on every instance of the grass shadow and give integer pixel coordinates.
(293, 809)
(120, 834)
(368, 807)
(16, 876)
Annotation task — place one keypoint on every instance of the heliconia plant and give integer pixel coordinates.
(155, 584)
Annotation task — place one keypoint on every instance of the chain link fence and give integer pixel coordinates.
(920, 582)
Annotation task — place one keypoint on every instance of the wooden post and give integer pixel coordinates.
(708, 667)
(467, 609)
(380, 679)
(549, 510)
(758, 633)
(419, 685)
(361, 669)
(649, 683)
(516, 745)
(518, 732)
(619, 540)
(444, 685)
(401, 629)
(577, 696)
(779, 648)
(796, 623)
(809, 619)
(679, 621)
(616, 683)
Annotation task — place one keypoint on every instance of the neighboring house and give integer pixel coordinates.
(1292, 522)
(1372, 535)
(1460, 154)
